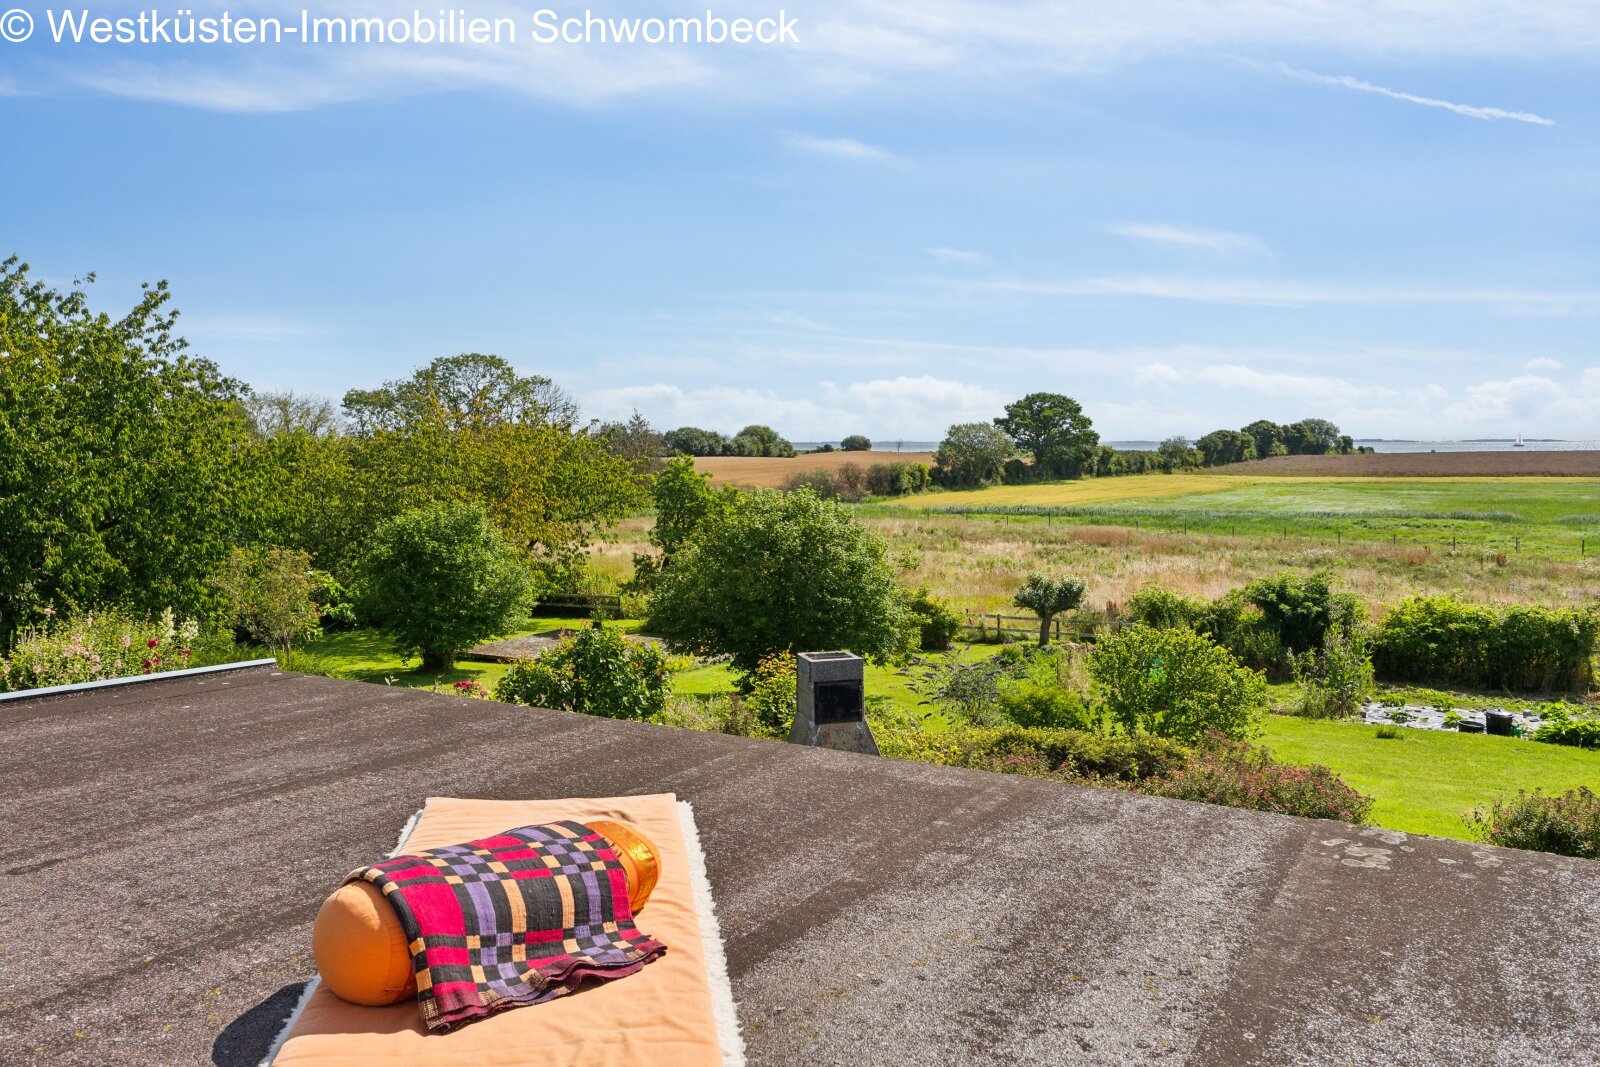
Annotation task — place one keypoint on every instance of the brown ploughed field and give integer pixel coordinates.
(759, 472)
(1574, 464)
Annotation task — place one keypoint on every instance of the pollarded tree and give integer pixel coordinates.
(781, 572)
(441, 579)
(1048, 597)
(1055, 430)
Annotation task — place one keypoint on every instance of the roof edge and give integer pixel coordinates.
(109, 683)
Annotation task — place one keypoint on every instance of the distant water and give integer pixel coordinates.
(1377, 444)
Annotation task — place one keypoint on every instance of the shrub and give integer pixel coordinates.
(1336, 682)
(821, 482)
(1032, 703)
(1034, 751)
(1440, 639)
(780, 572)
(269, 593)
(851, 479)
(855, 443)
(594, 672)
(1230, 621)
(769, 695)
(1176, 684)
(1300, 610)
(1241, 775)
(441, 579)
(97, 648)
(897, 479)
(936, 622)
(1562, 727)
(718, 713)
(1568, 824)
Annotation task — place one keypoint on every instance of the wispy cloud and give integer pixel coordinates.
(956, 255)
(1221, 242)
(1487, 114)
(1286, 293)
(844, 147)
(1544, 363)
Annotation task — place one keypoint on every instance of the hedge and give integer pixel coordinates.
(1441, 640)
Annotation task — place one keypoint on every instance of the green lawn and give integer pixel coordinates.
(1423, 782)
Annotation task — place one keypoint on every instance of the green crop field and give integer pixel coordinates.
(1555, 516)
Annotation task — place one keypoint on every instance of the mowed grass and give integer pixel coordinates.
(1426, 781)
(1555, 516)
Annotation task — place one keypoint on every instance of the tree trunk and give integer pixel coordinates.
(436, 660)
(1044, 630)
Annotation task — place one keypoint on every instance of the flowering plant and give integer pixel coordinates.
(95, 648)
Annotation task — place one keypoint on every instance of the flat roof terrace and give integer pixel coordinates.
(167, 845)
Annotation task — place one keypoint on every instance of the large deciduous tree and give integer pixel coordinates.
(126, 466)
(1054, 429)
(781, 572)
(971, 454)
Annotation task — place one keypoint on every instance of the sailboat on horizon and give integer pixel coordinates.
(1518, 442)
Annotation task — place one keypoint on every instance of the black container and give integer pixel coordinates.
(1467, 726)
(1498, 723)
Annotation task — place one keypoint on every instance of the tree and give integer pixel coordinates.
(471, 390)
(1175, 453)
(683, 498)
(856, 443)
(441, 579)
(269, 593)
(1048, 597)
(635, 441)
(1268, 438)
(127, 466)
(693, 441)
(780, 572)
(971, 454)
(758, 440)
(1175, 684)
(1054, 429)
(1220, 447)
(1311, 437)
(290, 412)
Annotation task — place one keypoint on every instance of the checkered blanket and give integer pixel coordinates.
(518, 918)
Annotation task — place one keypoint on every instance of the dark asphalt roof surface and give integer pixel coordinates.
(166, 846)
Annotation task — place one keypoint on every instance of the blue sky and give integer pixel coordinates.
(1187, 216)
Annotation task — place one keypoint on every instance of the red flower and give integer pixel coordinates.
(184, 652)
(152, 643)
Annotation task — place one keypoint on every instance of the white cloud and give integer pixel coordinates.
(1487, 114)
(956, 255)
(1543, 363)
(844, 147)
(1221, 242)
(1284, 293)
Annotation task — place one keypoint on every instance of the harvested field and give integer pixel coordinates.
(759, 472)
(1571, 464)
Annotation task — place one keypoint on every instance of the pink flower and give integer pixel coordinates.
(126, 640)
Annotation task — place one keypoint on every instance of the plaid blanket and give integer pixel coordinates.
(518, 918)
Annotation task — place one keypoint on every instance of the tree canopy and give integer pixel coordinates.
(469, 391)
(780, 572)
(1054, 429)
(971, 455)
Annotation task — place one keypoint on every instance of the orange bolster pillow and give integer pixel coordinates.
(361, 949)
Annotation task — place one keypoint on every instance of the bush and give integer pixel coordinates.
(1241, 775)
(781, 572)
(441, 579)
(936, 622)
(1230, 621)
(769, 695)
(1442, 640)
(897, 479)
(1070, 754)
(1176, 684)
(855, 443)
(1568, 824)
(594, 672)
(1336, 682)
(1034, 703)
(718, 713)
(1301, 610)
(1562, 727)
(97, 648)
(270, 594)
(819, 481)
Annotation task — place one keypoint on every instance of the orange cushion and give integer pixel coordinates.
(360, 948)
